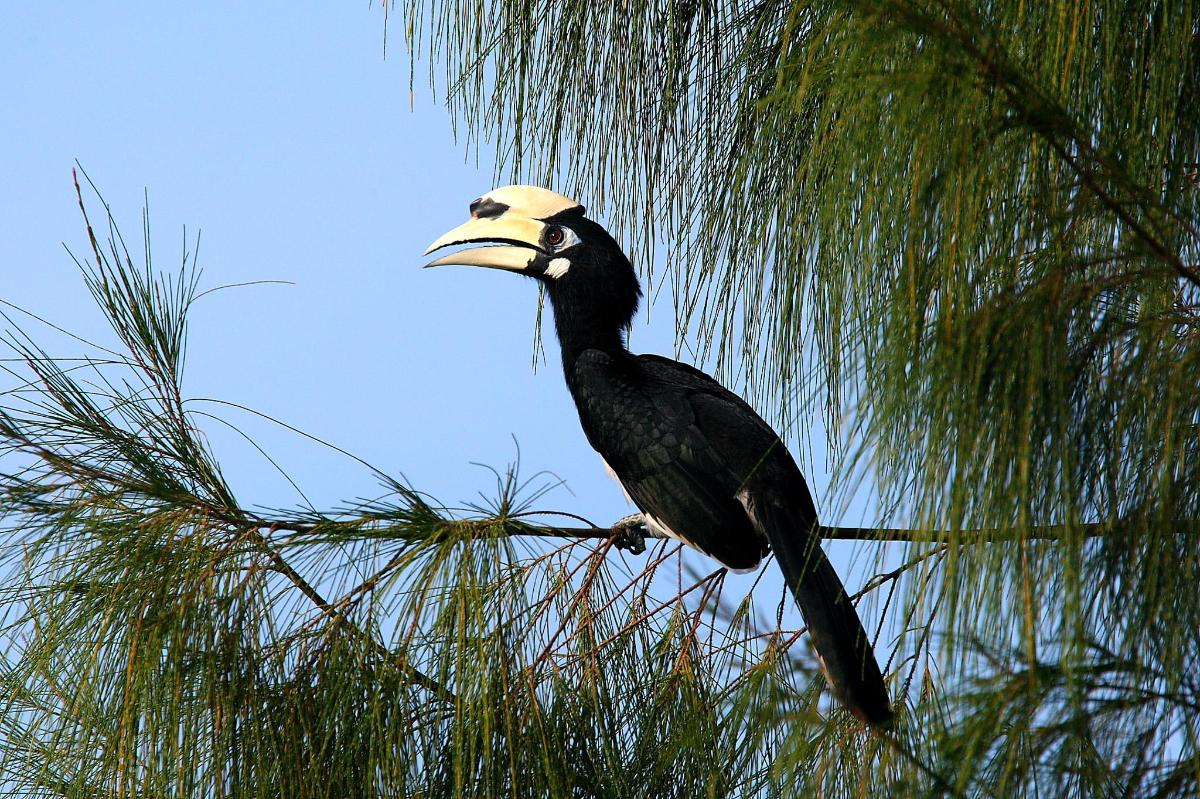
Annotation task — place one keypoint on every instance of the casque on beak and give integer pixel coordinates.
(506, 229)
(510, 219)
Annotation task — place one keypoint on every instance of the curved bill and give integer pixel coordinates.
(514, 259)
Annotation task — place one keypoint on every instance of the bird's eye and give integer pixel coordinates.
(555, 236)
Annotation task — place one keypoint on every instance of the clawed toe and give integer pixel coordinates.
(629, 534)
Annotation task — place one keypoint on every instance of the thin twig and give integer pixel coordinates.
(306, 588)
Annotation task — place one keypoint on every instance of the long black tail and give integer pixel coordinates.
(833, 625)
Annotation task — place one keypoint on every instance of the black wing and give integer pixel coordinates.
(746, 443)
(661, 428)
(697, 458)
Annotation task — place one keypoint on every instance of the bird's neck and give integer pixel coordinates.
(583, 323)
(578, 331)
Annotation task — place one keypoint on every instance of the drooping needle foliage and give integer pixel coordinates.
(966, 235)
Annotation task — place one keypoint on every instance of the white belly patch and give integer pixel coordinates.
(613, 475)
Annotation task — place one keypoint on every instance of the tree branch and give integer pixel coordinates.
(284, 568)
(1050, 532)
(1074, 146)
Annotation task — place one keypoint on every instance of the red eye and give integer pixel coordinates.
(555, 236)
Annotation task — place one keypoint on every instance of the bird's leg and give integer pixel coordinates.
(630, 533)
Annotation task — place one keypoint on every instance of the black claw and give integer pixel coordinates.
(630, 534)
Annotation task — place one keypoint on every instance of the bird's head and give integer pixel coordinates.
(547, 236)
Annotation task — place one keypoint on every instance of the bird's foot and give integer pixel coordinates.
(630, 533)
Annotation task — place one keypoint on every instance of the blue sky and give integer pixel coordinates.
(281, 133)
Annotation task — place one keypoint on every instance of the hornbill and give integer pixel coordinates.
(695, 458)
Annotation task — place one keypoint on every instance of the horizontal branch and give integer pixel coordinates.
(1050, 532)
(627, 536)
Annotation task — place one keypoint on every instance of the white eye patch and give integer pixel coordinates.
(558, 267)
(570, 239)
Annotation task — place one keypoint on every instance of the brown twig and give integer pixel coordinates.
(1072, 144)
(283, 567)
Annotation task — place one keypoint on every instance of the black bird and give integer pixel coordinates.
(699, 463)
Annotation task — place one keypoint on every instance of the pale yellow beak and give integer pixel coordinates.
(518, 236)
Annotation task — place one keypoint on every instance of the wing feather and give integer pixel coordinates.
(647, 431)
